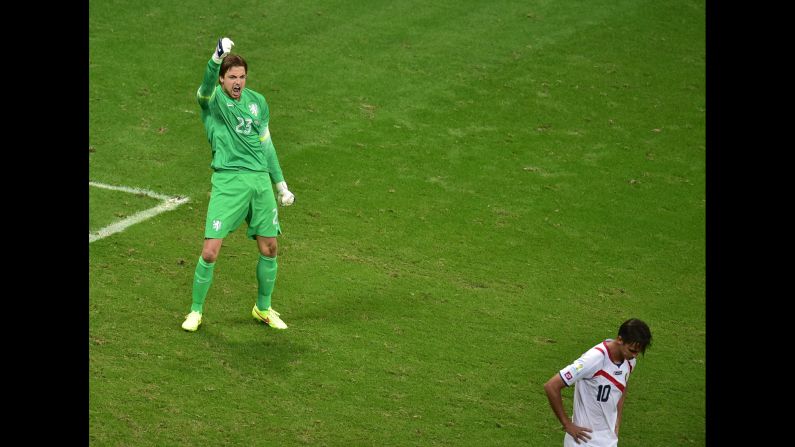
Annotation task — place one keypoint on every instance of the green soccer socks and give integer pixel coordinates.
(266, 278)
(202, 279)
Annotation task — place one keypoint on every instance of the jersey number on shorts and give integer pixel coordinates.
(603, 393)
(241, 123)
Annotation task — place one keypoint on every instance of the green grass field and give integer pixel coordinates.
(484, 190)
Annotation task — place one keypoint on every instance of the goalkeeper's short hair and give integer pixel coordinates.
(233, 60)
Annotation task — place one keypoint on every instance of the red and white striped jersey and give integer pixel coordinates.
(599, 383)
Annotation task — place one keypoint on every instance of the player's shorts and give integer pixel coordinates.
(603, 438)
(236, 197)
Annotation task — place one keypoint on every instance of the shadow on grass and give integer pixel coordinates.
(245, 343)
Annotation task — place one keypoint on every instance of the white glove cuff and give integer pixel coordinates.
(281, 186)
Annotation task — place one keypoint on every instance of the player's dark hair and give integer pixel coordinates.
(233, 60)
(635, 331)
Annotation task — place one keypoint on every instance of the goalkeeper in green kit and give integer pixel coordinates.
(244, 165)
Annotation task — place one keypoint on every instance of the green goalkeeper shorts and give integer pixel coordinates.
(241, 196)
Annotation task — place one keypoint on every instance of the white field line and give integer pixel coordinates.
(168, 203)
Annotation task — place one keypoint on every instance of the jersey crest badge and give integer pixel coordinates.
(253, 109)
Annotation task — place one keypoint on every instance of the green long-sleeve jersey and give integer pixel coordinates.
(237, 130)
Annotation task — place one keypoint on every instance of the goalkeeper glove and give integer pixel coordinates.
(286, 198)
(225, 45)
